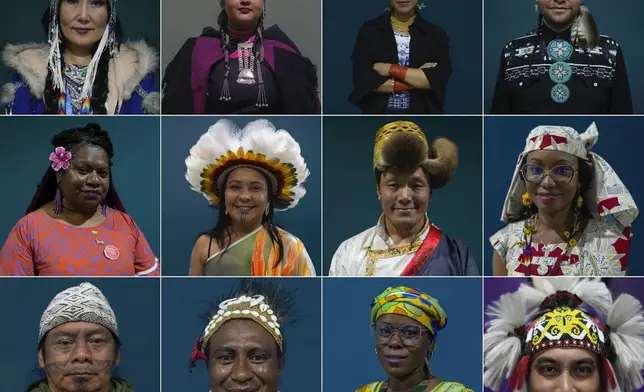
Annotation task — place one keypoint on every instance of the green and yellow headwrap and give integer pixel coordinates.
(411, 303)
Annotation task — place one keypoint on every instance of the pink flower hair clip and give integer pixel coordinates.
(60, 159)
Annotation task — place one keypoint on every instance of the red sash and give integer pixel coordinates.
(425, 251)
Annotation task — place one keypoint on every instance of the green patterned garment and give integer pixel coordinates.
(443, 386)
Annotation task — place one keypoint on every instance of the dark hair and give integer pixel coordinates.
(221, 232)
(99, 88)
(277, 297)
(586, 179)
(72, 140)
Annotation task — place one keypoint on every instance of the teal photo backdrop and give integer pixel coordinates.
(186, 213)
(620, 138)
(506, 20)
(350, 201)
(349, 358)
(185, 300)
(26, 142)
(20, 23)
(135, 303)
(462, 21)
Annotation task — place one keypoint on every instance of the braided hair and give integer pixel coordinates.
(100, 86)
(72, 140)
(258, 51)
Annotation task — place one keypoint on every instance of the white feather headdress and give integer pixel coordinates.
(520, 321)
(258, 145)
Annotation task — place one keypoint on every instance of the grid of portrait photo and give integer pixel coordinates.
(321, 195)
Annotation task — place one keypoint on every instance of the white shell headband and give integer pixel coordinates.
(243, 307)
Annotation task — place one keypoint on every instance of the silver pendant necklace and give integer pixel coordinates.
(246, 59)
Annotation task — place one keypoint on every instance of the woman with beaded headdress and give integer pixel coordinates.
(406, 322)
(243, 342)
(401, 62)
(567, 212)
(84, 68)
(240, 68)
(76, 223)
(248, 174)
(564, 66)
(564, 334)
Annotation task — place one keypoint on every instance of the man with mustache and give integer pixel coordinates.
(564, 66)
(405, 242)
(79, 344)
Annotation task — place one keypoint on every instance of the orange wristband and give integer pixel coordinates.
(399, 86)
(398, 72)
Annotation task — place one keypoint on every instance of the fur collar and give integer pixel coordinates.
(127, 68)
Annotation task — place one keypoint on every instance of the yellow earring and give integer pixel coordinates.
(525, 199)
(580, 201)
(536, 7)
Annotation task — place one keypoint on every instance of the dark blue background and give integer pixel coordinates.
(349, 358)
(462, 21)
(619, 143)
(187, 213)
(186, 299)
(20, 23)
(351, 203)
(135, 302)
(26, 145)
(619, 19)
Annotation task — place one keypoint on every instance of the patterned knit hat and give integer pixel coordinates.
(82, 303)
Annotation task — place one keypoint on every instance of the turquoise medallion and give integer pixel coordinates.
(560, 93)
(560, 50)
(560, 71)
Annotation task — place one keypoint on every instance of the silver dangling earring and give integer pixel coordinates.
(267, 209)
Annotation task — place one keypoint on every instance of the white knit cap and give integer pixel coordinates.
(82, 303)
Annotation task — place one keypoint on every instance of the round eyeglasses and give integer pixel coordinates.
(561, 174)
(408, 334)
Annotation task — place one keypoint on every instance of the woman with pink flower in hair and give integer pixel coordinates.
(76, 224)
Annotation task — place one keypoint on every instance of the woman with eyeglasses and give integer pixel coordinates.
(567, 212)
(405, 322)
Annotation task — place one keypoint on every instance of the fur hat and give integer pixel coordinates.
(402, 144)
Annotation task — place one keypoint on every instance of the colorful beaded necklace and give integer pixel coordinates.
(571, 242)
(69, 99)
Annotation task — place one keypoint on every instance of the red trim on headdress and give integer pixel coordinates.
(546, 302)
(197, 354)
(519, 373)
(609, 375)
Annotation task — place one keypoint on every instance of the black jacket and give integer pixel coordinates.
(376, 44)
(295, 75)
(598, 84)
